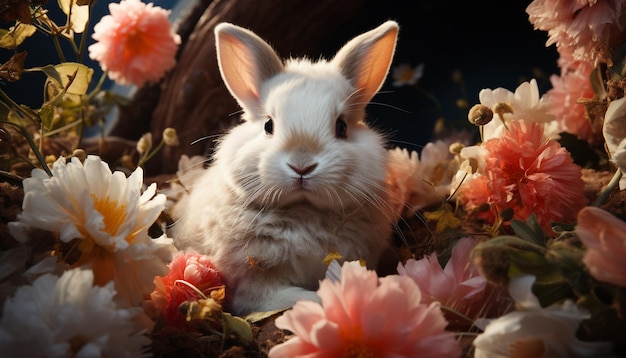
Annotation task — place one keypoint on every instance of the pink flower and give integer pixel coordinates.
(564, 95)
(587, 28)
(136, 43)
(366, 316)
(458, 285)
(196, 271)
(604, 235)
(529, 174)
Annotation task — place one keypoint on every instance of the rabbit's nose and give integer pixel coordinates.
(303, 170)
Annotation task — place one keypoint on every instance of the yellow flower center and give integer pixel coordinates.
(114, 214)
(527, 348)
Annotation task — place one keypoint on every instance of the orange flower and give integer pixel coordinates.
(135, 43)
(529, 174)
(196, 271)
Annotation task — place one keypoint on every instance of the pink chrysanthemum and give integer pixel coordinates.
(135, 43)
(366, 316)
(566, 91)
(588, 27)
(196, 271)
(529, 174)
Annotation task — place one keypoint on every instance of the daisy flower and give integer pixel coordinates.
(420, 181)
(104, 216)
(190, 274)
(604, 236)
(458, 285)
(525, 103)
(68, 316)
(534, 331)
(405, 75)
(366, 316)
(528, 173)
(135, 44)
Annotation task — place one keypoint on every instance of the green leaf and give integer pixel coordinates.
(530, 230)
(237, 326)
(618, 70)
(255, 317)
(14, 37)
(48, 70)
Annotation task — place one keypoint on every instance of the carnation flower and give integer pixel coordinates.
(104, 217)
(525, 103)
(366, 316)
(191, 275)
(546, 332)
(68, 316)
(565, 94)
(135, 43)
(458, 286)
(587, 28)
(604, 236)
(527, 173)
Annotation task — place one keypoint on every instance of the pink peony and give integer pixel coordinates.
(458, 286)
(197, 271)
(586, 28)
(529, 174)
(604, 235)
(366, 316)
(136, 43)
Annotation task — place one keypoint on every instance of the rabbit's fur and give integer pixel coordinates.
(301, 177)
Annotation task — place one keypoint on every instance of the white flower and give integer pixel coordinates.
(404, 74)
(108, 216)
(614, 131)
(547, 332)
(69, 317)
(526, 104)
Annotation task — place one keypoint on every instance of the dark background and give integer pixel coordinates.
(490, 42)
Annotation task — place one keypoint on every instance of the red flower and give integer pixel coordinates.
(188, 270)
(529, 174)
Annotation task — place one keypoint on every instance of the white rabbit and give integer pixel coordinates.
(301, 177)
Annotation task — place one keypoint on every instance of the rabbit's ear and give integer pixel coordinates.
(245, 62)
(365, 60)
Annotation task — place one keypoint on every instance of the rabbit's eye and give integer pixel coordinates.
(269, 126)
(341, 128)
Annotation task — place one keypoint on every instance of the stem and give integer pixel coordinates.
(83, 37)
(32, 145)
(98, 87)
(604, 194)
(144, 159)
(57, 45)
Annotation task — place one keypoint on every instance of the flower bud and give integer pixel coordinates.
(479, 115)
(144, 143)
(170, 137)
(455, 148)
(80, 154)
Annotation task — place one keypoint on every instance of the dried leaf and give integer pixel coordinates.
(13, 37)
(12, 69)
(15, 10)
